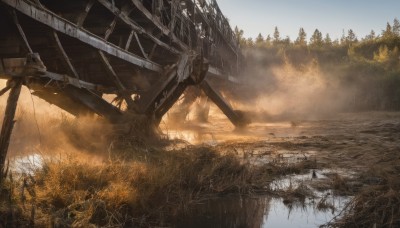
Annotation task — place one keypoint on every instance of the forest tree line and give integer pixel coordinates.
(368, 66)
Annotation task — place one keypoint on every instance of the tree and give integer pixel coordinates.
(371, 36)
(286, 41)
(396, 27)
(302, 38)
(388, 32)
(250, 42)
(336, 43)
(239, 36)
(259, 40)
(351, 37)
(328, 40)
(268, 40)
(343, 38)
(277, 36)
(316, 39)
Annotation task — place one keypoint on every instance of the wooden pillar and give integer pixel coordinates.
(8, 122)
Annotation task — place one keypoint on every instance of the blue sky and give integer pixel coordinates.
(329, 16)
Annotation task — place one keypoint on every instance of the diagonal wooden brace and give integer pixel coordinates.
(234, 116)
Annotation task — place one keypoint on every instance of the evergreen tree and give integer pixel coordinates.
(250, 42)
(286, 41)
(277, 36)
(343, 38)
(371, 36)
(351, 37)
(316, 39)
(259, 40)
(388, 32)
(239, 36)
(302, 38)
(268, 40)
(336, 42)
(396, 27)
(328, 40)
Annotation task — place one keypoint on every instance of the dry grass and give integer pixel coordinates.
(377, 203)
(148, 188)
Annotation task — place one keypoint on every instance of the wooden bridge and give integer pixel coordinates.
(144, 52)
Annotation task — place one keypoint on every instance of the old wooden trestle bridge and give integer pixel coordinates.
(146, 52)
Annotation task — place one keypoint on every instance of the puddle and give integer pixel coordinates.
(307, 215)
(263, 211)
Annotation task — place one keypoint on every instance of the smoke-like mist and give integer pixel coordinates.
(277, 89)
(42, 128)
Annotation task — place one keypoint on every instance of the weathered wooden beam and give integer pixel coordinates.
(234, 117)
(5, 90)
(140, 46)
(215, 72)
(93, 102)
(59, 24)
(198, 11)
(8, 122)
(123, 15)
(60, 48)
(21, 32)
(117, 81)
(149, 101)
(110, 71)
(139, 5)
(129, 41)
(111, 28)
(83, 15)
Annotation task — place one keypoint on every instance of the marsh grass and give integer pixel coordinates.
(146, 187)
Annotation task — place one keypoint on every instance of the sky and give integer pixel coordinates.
(328, 16)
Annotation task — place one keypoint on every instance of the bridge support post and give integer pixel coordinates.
(8, 123)
(236, 118)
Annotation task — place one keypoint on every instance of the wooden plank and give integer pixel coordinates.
(123, 15)
(5, 90)
(83, 15)
(21, 32)
(140, 45)
(129, 41)
(222, 104)
(8, 123)
(60, 48)
(111, 28)
(61, 25)
(116, 80)
(110, 71)
(138, 4)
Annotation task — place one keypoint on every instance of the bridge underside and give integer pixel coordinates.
(145, 53)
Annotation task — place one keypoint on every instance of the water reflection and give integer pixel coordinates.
(26, 164)
(232, 211)
(262, 211)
